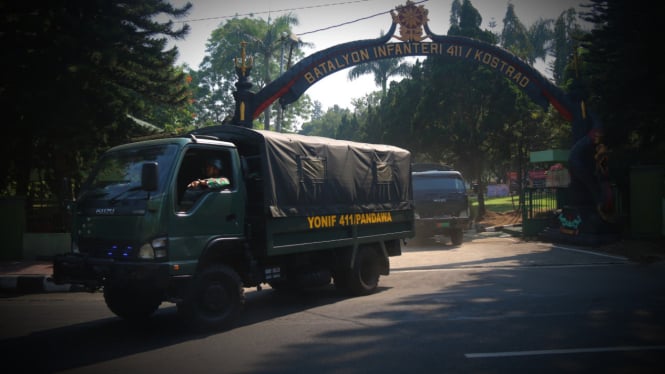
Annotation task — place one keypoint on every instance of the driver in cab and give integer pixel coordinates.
(213, 179)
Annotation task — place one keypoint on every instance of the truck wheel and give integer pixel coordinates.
(129, 303)
(457, 236)
(215, 300)
(363, 278)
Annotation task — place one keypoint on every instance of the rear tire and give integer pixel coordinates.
(363, 278)
(457, 236)
(215, 299)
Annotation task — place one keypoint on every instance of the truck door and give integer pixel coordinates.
(206, 212)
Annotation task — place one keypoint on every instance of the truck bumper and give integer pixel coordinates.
(442, 226)
(93, 272)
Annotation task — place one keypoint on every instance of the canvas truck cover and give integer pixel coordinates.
(309, 175)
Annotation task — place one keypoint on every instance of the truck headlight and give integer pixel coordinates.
(156, 248)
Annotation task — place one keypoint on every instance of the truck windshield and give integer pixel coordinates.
(118, 173)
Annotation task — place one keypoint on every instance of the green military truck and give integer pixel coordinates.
(298, 212)
(441, 203)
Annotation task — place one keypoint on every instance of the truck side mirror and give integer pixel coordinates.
(149, 176)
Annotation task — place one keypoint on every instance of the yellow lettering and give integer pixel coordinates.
(309, 78)
(510, 71)
(364, 54)
(524, 82)
(331, 66)
(495, 62)
(318, 222)
(318, 73)
(451, 50)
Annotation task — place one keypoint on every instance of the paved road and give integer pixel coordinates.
(492, 305)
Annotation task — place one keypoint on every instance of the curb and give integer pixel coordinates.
(26, 284)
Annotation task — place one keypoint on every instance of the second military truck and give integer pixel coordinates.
(297, 212)
(441, 203)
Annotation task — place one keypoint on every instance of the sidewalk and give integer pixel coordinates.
(27, 276)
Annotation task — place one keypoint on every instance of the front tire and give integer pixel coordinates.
(130, 302)
(215, 299)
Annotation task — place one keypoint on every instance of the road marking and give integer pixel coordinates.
(565, 351)
(590, 252)
(434, 268)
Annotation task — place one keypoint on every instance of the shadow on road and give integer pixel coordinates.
(94, 342)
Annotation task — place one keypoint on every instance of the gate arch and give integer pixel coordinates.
(288, 87)
(587, 165)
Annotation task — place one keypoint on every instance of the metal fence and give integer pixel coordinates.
(540, 205)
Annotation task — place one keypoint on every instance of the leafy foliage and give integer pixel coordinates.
(73, 72)
(621, 73)
(267, 43)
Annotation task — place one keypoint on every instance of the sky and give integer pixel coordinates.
(326, 23)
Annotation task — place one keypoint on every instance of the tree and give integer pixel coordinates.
(382, 70)
(466, 21)
(72, 73)
(515, 37)
(621, 70)
(328, 124)
(269, 44)
(527, 131)
(567, 36)
(216, 79)
(530, 43)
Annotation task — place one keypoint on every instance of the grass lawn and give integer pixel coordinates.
(510, 204)
(498, 204)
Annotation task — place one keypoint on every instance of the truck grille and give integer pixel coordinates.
(108, 248)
